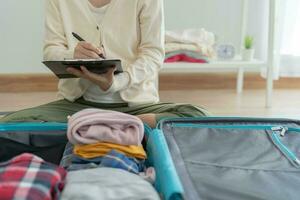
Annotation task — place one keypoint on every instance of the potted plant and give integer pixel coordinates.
(248, 51)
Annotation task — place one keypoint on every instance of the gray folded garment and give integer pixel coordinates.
(107, 184)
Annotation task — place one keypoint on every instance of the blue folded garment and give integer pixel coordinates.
(118, 160)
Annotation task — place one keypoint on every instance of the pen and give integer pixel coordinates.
(81, 39)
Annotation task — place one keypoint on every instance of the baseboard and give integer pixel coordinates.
(48, 82)
(221, 81)
(28, 82)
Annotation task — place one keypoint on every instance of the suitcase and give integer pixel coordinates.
(46, 140)
(212, 158)
(202, 158)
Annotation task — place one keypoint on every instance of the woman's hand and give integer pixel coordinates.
(85, 50)
(104, 81)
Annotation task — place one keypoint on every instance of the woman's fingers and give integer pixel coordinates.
(87, 53)
(86, 50)
(90, 75)
(75, 72)
(91, 47)
(110, 73)
(104, 81)
(79, 55)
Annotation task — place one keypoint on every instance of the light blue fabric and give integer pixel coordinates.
(118, 160)
(79, 160)
(76, 167)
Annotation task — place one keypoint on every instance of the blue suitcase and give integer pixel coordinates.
(46, 140)
(207, 158)
(227, 158)
(46, 135)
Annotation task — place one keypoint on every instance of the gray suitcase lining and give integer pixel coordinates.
(218, 174)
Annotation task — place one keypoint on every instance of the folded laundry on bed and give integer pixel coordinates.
(184, 58)
(29, 177)
(95, 125)
(101, 149)
(107, 184)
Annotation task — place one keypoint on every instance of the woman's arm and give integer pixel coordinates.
(56, 48)
(151, 48)
(55, 43)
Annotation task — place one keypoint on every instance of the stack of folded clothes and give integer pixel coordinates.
(191, 45)
(103, 138)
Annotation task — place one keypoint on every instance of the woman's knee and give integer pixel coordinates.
(189, 110)
(149, 119)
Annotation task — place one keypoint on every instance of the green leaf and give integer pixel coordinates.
(248, 42)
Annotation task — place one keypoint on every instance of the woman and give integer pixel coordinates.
(129, 30)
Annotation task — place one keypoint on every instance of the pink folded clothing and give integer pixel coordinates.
(184, 58)
(91, 126)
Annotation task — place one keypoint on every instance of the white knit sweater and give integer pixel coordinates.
(131, 30)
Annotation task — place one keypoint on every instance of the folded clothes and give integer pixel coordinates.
(76, 167)
(184, 58)
(112, 159)
(108, 184)
(173, 46)
(201, 39)
(101, 149)
(29, 177)
(191, 36)
(80, 160)
(208, 52)
(192, 54)
(67, 157)
(95, 125)
(118, 160)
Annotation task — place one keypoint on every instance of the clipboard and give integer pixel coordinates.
(95, 66)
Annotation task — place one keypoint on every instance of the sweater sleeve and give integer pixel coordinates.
(151, 48)
(55, 44)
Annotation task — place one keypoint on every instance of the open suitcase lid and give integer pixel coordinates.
(185, 187)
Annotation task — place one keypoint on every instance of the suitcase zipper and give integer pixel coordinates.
(282, 130)
(257, 127)
(284, 149)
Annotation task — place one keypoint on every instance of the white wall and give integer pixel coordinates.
(258, 26)
(219, 16)
(21, 35)
(222, 17)
(21, 27)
